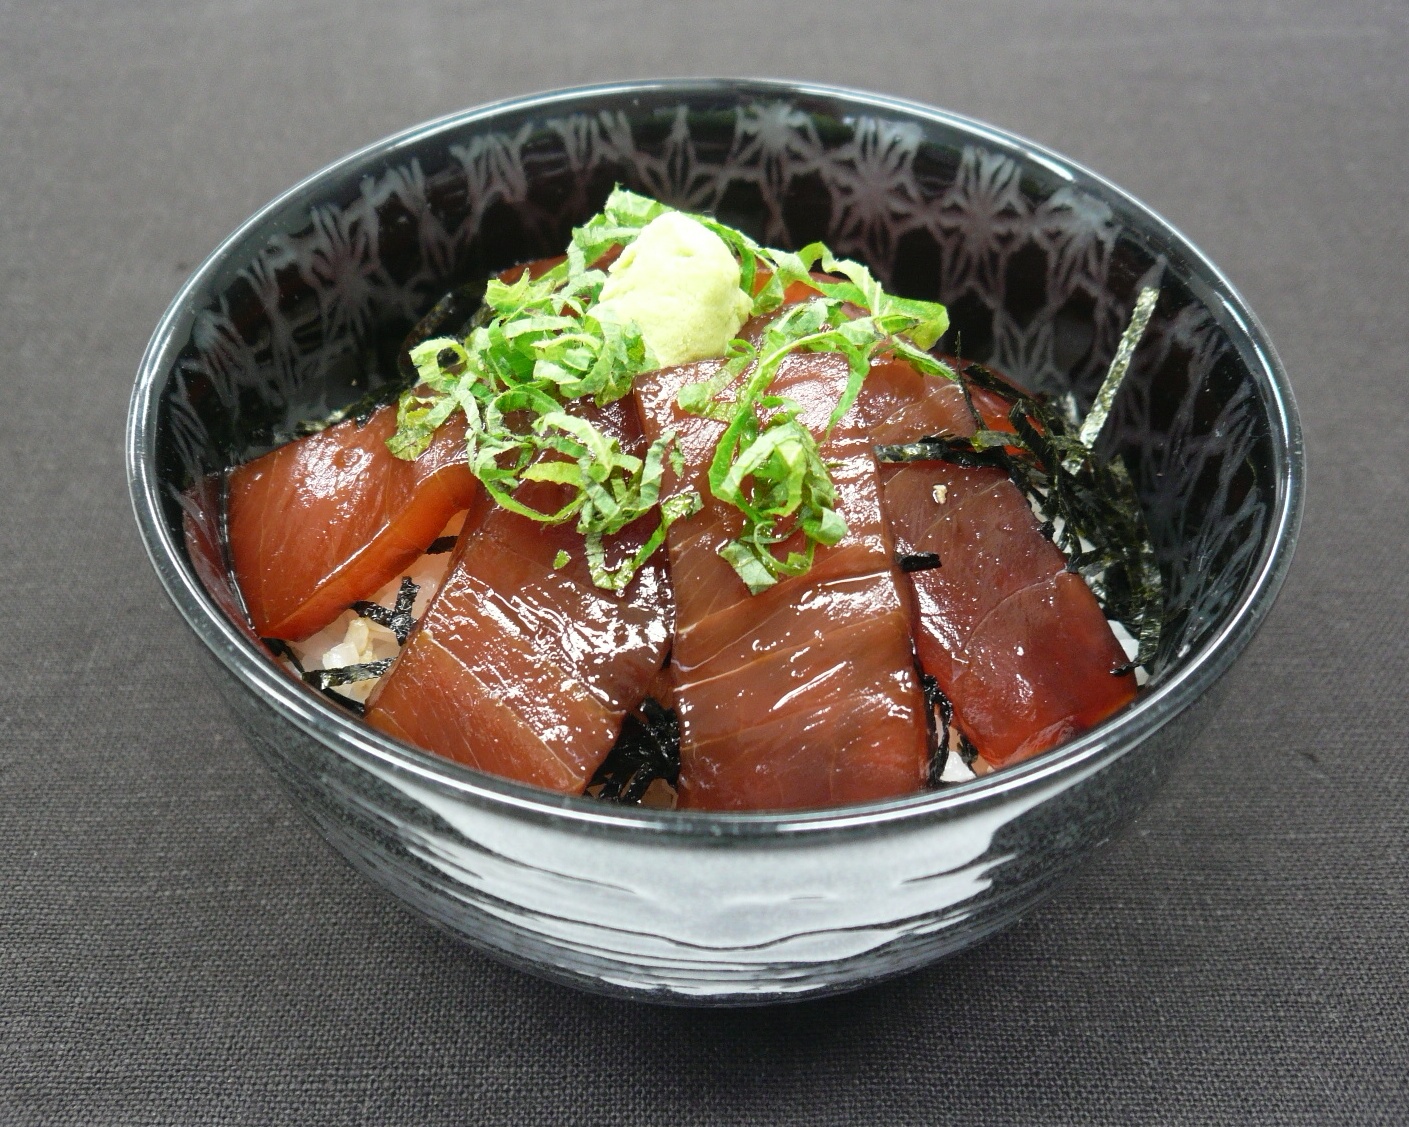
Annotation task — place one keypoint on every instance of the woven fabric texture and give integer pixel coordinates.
(178, 946)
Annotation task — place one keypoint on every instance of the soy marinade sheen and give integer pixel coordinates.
(1017, 643)
(804, 694)
(521, 666)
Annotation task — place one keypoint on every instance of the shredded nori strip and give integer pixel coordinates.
(398, 619)
(647, 749)
(440, 545)
(451, 315)
(937, 708)
(1095, 501)
(325, 679)
(1124, 351)
(359, 410)
(280, 648)
(918, 561)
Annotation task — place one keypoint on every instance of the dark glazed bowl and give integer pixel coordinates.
(1039, 261)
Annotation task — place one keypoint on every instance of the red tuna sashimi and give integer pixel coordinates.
(806, 694)
(326, 520)
(1018, 644)
(522, 668)
(200, 524)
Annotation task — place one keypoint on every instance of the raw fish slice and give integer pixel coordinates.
(440, 701)
(989, 543)
(1020, 646)
(778, 777)
(787, 679)
(903, 404)
(200, 525)
(612, 644)
(524, 669)
(1038, 670)
(729, 636)
(326, 520)
(806, 694)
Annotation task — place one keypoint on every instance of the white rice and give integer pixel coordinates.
(351, 639)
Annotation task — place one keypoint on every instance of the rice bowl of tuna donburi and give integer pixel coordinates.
(675, 578)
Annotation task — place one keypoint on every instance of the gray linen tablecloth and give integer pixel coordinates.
(177, 946)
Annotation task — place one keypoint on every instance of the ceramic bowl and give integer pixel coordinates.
(1039, 261)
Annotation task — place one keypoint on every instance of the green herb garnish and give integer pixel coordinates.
(540, 343)
(767, 463)
(538, 348)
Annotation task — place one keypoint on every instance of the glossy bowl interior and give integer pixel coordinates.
(1039, 261)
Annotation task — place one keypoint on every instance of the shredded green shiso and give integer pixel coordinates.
(538, 344)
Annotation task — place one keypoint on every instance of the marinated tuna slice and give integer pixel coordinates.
(1018, 644)
(200, 523)
(521, 666)
(1062, 681)
(327, 520)
(805, 694)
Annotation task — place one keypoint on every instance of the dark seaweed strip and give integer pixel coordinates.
(359, 410)
(280, 648)
(974, 413)
(944, 448)
(939, 714)
(1095, 420)
(440, 545)
(325, 679)
(946, 712)
(647, 749)
(967, 752)
(918, 561)
(1095, 501)
(398, 619)
(449, 316)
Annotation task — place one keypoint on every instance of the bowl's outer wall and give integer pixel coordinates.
(1039, 262)
(758, 920)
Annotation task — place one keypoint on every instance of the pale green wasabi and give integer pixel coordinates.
(679, 283)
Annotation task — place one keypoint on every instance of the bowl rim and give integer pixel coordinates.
(368, 748)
